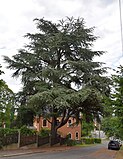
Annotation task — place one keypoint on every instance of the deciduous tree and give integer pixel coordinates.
(7, 104)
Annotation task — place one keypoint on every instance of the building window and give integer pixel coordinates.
(77, 135)
(69, 136)
(69, 122)
(44, 122)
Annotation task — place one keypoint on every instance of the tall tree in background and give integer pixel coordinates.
(0, 74)
(117, 101)
(118, 92)
(7, 104)
(1, 70)
(58, 71)
(112, 124)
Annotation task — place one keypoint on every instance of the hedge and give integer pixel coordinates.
(91, 140)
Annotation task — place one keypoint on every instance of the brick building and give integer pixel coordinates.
(70, 128)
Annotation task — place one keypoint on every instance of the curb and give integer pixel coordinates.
(21, 153)
(31, 152)
(27, 153)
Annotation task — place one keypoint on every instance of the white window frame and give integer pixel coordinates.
(43, 122)
(76, 136)
(70, 135)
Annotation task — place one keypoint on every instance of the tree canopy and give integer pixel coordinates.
(7, 103)
(117, 95)
(58, 72)
(113, 122)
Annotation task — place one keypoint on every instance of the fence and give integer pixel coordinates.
(27, 140)
(55, 140)
(9, 139)
(23, 140)
(42, 140)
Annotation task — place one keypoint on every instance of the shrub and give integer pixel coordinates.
(88, 140)
(6, 131)
(97, 140)
(44, 132)
(70, 142)
(26, 131)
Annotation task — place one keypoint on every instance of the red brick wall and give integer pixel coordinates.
(64, 130)
(73, 129)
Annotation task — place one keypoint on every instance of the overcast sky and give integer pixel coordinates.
(16, 19)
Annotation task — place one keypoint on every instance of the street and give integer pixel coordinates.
(91, 152)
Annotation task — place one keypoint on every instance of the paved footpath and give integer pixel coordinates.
(23, 151)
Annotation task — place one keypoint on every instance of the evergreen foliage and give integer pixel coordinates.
(59, 75)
